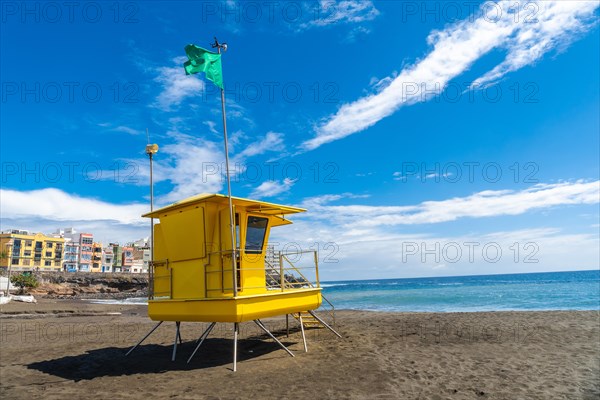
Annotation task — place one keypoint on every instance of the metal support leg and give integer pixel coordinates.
(235, 340)
(287, 325)
(201, 339)
(324, 323)
(144, 338)
(260, 324)
(177, 337)
(179, 332)
(303, 335)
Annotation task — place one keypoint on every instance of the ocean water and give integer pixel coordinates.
(578, 290)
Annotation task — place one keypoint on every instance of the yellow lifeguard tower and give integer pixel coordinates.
(209, 251)
(197, 276)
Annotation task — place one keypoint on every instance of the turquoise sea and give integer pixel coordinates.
(578, 290)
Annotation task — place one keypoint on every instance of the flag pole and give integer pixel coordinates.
(223, 46)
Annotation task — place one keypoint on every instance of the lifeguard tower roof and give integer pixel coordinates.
(256, 206)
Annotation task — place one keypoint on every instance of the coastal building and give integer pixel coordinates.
(141, 243)
(71, 258)
(96, 257)
(127, 258)
(107, 259)
(86, 241)
(137, 266)
(25, 251)
(141, 260)
(86, 245)
(70, 251)
(117, 257)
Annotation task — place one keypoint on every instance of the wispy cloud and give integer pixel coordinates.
(330, 12)
(176, 85)
(120, 128)
(489, 203)
(454, 50)
(128, 130)
(58, 205)
(193, 166)
(211, 126)
(272, 141)
(272, 188)
(559, 23)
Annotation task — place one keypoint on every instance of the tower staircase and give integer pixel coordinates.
(292, 277)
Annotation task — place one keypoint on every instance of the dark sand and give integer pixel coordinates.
(53, 352)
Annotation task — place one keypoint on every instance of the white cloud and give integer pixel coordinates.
(379, 255)
(454, 50)
(356, 33)
(211, 126)
(330, 12)
(104, 231)
(126, 129)
(272, 188)
(193, 166)
(558, 24)
(479, 205)
(57, 205)
(119, 128)
(272, 141)
(176, 85)
(349, 249)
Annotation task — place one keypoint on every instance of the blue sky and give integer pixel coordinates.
(422, 137)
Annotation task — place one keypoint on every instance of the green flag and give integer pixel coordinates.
(202, 60)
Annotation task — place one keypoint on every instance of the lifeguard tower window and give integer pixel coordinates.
(255, 234)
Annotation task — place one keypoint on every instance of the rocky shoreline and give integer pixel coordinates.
(90, 286)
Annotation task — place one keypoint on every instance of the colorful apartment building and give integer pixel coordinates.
(68, 250)
(117, 257)
(141, 260)
(107, 259)
(71, 258)
(127, 255)
(86, 242)
(96, 257)
(24, 251)
(85, 252)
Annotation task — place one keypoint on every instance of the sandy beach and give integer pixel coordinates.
(59, 349)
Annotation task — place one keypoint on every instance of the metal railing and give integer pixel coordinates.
(330, 310)
(286, 276)
(153, 279)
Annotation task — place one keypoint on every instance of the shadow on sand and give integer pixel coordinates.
(154, 358)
